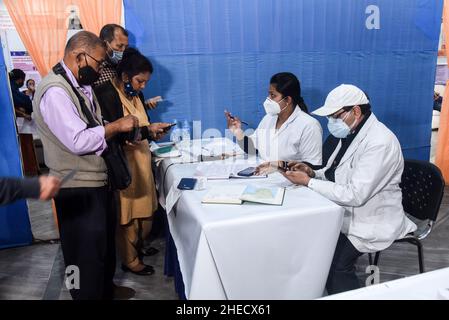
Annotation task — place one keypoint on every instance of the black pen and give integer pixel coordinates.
(233, 118)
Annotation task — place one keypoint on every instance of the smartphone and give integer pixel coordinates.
(167, 129)
(187, 184)
(248, 172)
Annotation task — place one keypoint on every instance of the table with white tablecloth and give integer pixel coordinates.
(250, 251)
(426, 286)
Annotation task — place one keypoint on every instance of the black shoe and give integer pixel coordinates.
(123, 293)
(146, 271)
(150, 251)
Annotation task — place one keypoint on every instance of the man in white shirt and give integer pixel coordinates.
(363, 176)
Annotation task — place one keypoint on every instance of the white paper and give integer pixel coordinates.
(223, 171)
(26, 126)
(153, 146)
(172, 198)
(213, 170)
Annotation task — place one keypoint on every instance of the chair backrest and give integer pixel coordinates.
(329, 146)
(422, 189)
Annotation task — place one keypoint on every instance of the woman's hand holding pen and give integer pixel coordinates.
(234, 125)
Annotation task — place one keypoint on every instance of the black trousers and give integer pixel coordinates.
(342, 276)
(87, 221)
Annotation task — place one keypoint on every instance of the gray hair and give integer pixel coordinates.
(84, 39)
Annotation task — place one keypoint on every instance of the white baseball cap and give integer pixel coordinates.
(345, 95)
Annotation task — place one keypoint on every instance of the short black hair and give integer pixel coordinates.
(107, 32)
(17, 74)
(364, 108)
(85, 39)
(133, 63)
(28, 81)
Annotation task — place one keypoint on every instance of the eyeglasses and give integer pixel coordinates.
(100, 63)
(338, 116)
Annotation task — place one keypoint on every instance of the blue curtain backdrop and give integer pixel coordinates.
(210, 55)
(15, 229)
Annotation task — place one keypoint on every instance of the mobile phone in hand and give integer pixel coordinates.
(167, 129)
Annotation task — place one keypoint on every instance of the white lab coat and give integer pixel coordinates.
(299, 138)
(367, 186)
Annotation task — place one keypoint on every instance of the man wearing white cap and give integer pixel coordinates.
(363, 176)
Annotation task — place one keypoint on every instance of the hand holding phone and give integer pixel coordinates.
(168, 128)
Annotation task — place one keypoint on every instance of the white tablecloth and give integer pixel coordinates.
(427, 286)
(252, 251)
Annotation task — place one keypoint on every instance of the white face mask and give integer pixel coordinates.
(338, 127)
(272, 107)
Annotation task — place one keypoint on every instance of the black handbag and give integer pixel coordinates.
(118, 171)
(119, 176)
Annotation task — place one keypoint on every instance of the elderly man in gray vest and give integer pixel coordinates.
(74, 136)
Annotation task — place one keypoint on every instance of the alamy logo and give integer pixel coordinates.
(373, 20)
(72, 280)
(374, 275)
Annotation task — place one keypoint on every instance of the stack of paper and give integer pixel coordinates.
(239, 194)
(223, 171)
(210, 149)
(166, 151)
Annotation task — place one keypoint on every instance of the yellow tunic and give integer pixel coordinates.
(139, 200)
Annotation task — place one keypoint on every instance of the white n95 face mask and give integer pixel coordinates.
(272, 107)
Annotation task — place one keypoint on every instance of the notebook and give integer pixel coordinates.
(264, 195)
(224, 195)
(240, 194)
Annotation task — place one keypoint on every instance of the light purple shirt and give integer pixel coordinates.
(62, 118)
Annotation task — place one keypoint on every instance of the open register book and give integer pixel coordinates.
(239, 194)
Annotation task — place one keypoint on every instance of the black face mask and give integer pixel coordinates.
(87, 75)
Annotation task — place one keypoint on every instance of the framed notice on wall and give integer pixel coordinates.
(22, 60)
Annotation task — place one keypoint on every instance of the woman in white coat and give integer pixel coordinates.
(362, 175)
(287, 132)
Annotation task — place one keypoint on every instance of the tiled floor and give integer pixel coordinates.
(35, 272)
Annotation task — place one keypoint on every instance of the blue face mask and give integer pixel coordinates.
(117, 56)
(130, 90)
(338, 127)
